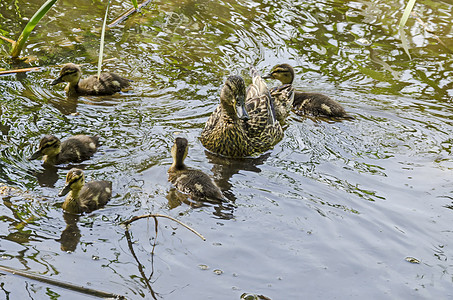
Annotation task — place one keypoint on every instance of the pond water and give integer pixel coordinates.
(331, 212)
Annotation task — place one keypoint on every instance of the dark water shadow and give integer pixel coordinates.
(66, 106)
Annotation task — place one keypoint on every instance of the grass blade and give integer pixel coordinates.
(101, 47)
(134, 2)
(19, 45)
(406, 13)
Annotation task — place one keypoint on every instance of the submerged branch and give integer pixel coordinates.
(61, 284)
(419, 20)
(133, 219)
(140, 266)
(126, 14)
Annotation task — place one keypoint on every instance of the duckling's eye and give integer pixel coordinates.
(70, 73)
(48, 145)
(74, 180)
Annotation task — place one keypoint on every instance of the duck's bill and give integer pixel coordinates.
(267, 76)
(35, 155)
(242, 112)
(57, 81)
(65, 190)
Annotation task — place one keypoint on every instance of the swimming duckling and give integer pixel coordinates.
(75, 149)
(190, 181)
(84, 197)
(315, 104)
(225, 131)
(107, 84)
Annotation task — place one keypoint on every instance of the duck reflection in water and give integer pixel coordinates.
(224, 168)
(70, 236)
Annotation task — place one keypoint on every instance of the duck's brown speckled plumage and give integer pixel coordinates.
(314, 104)
(263, 129)
(228, 134)
(84, 197)
(225, 131)
(195, 183)
(107, 84)
(74, 149)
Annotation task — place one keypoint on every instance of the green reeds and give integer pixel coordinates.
(407, 11)
(101, 46)
(20, 43)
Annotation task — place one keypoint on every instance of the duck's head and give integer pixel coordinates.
(282, 72)
(70, 73)
(179, 152)
(75, 179)
(49, 145)
(232, 97)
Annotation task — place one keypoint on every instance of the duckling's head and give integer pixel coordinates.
(70, 73)
(49, 145)
(179, 152)
(232, 97)
(75, 179)
(282, 72)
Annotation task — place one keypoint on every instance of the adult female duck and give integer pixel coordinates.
(239, 127)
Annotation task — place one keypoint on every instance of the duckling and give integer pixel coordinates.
(225, 131)
(189, 181)
(84, 197)
(315, 104)
(107, 84)
(75, 149)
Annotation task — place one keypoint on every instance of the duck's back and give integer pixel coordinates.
(78, 148)
(195, 183)
(262, 128)
(108, 84)
(283, 101)
(95, 194)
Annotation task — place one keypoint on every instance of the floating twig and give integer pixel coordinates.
(126, 14)
(61, 284)
(20, 70)
(24, 70)
(7, 39)
(133, 219)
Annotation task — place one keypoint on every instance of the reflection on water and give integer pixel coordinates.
(333, 204)
(70, 236)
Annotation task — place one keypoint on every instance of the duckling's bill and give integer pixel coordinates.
(58, 80)
(65, 190)
(36, 155)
